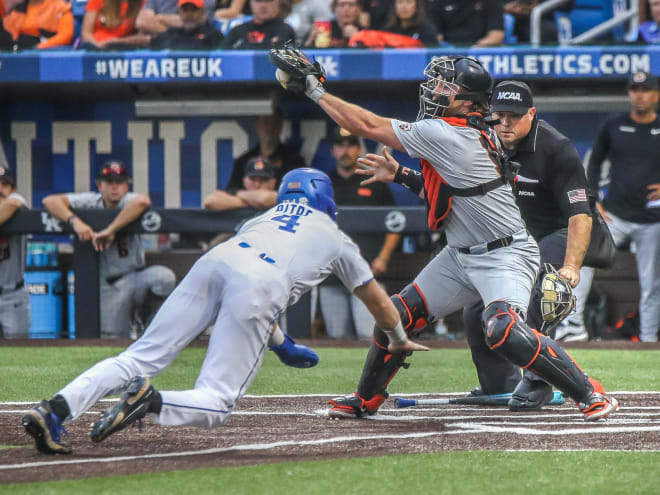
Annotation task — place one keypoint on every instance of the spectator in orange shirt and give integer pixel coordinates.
(110, 25)
(38, 24)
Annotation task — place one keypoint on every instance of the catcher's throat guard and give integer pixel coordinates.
(557, 299)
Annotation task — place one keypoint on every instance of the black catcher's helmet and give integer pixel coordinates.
(446, 76)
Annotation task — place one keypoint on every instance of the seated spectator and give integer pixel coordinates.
(522, 11)
(258, 189)
(266, 29)
(228, 9)
(409, 19)
(196, 31)
(283, 157)
(110, 25)
(38, 24)
(304, 13)
(469, 22)
(157, 16)
(649, 31)
(375, 13)
(340, 30)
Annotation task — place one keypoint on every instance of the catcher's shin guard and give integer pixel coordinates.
(508, 335)
(380, 365)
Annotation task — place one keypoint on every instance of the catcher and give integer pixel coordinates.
(465, 182)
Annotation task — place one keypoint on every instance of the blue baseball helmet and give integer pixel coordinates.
(313, 185)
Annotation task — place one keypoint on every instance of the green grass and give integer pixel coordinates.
(472, 473)
(38, 372)
(35, 373)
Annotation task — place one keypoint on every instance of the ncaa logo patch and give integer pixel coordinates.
(405, 126)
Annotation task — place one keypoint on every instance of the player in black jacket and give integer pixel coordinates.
(632, 204)
(551, 192)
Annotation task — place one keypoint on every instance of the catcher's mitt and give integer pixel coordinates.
(294, 67)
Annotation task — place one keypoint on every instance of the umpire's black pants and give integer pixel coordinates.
(496, 374)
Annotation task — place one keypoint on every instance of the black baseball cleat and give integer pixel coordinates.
(530, 395)
(46, 428)
(132, 406)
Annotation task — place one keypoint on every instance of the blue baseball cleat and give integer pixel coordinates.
(296, 355)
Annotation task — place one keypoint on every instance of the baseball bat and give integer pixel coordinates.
(478, 400)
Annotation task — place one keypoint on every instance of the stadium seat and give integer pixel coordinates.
(589, 13)
(78, 8)
(509, 23)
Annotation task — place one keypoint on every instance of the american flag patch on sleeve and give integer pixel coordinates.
(577, 195)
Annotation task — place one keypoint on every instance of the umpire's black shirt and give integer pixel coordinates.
(634, 153)
(551, 186)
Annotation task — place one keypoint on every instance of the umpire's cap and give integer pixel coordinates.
(6, 175)
(511, 96)
(113, 171)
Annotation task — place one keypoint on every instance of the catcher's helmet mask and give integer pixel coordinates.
(462, 77)
(311, 187)
(557, 298)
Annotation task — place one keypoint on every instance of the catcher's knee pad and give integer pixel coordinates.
(508, 335)
(412, 308)
(380, 365)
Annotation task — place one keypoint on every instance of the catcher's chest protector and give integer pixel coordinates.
(438, 194)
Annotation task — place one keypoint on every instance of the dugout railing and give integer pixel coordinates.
(404, 220)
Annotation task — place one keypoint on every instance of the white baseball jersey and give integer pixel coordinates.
(459, 159)
(240, 287)
(126, 252)
(12, 254)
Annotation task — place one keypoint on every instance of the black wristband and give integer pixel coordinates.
(410, 179)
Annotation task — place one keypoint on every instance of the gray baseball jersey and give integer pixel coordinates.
(126, 252)
(454, 279)
(12, 254)
(14, 303)
(240, 286)
(457, 155)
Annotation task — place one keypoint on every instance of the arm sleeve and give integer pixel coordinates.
(599, 152)
(350, 267)
(494, 13)
(568, 181)
(64, 34)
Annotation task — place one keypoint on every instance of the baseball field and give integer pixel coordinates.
(279, 442)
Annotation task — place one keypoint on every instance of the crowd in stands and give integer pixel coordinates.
(260, 24)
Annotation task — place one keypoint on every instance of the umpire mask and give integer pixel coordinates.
(557, 299)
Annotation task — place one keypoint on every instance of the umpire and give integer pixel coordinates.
(551, 192)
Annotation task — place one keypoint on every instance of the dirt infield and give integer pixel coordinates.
(277, 428)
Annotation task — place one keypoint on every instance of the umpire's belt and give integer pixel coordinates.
(12, 288)
(114, 278)
(485, 247)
